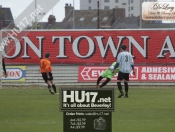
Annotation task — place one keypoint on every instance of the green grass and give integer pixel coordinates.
(35, 110)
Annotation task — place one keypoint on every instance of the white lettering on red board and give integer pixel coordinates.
(167, 45)
(158, 73)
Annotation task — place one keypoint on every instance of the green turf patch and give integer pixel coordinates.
(36, 110)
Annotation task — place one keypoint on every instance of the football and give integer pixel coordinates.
(112, 67)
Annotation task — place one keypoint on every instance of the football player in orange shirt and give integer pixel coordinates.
(46, 71)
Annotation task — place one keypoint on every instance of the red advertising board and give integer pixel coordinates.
(143, 74)
(148, 47)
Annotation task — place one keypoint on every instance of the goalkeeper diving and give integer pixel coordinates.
(108, 74)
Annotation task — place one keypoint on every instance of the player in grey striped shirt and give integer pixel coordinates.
(125, 60)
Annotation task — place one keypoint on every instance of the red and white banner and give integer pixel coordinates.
(91, 47)
(143, 74)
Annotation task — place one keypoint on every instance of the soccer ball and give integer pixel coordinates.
(112, 67)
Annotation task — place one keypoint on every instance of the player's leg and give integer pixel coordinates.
(52, 83)
(119, 79)
(53, 86)
(108, 77)
(103, 75)
(105, 82)
(126, 89)
(98, 81)
(50, 87)
(44, 75)
(126, 79)
(120, 89)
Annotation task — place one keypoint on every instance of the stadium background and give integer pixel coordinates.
(73, 50)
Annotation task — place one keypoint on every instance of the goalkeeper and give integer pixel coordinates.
(108, 74)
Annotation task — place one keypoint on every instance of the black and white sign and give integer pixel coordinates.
(87, 121)
(77, 99)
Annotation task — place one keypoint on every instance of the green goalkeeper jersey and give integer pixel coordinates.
(108, 73)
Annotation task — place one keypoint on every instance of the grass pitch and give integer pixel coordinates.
(148, 109)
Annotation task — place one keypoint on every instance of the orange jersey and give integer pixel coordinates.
(45, 65)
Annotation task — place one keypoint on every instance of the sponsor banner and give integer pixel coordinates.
(92, 47)
(157, 73)
(143, 74)
(15, 74)
(87, 99)
(158, 11)
(91, 74)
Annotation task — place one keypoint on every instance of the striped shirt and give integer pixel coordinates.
(125, 61)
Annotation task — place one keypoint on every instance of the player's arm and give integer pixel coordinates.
(47, 72)
(47, 69)
(133, 68)
(117, 62)
(112, 66)
(132, 65)
(116, 65)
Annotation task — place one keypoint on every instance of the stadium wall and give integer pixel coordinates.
(72, 76)
(74, 50)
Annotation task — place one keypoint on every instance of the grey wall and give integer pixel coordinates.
(66, 75)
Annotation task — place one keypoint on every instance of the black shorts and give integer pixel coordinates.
(122, 76)
(44, 75)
